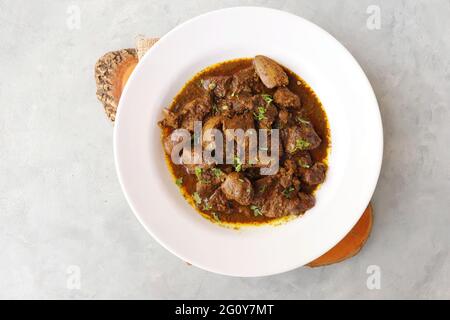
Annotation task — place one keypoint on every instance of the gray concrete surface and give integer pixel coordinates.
(63, 217)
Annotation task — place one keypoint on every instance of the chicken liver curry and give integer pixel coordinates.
(255, 94)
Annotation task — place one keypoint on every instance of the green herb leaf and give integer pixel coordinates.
(179, 181)
(262, 188)
(261, 115)
(301, 144)
(267, 98)
(303, 164)
(212, 86)
(288, 191)
(198, 173)
(197, 198)
(215, 216)
(256, 210)
(301, 120)
(207, 206)
(237, 164)
(217, 172)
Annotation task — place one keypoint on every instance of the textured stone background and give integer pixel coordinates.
(61, 204)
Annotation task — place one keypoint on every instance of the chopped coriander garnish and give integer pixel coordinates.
(261, 115)
(301, 120)
(267, 98)
(262, 189)
(301, 144)
(207, 206)
(287, 192)
(215, 216)
(303, 164)
(179, 181)
(237, 164)
(197, 198)
(198, 173)
(256, 210)
(217, 172)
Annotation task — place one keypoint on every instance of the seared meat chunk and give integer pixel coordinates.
(170, 119)
(283, 115)
(241, 103)
(278, 203)
(303, 161)
(306, 201)
(274, 200)
(300, 137)
(270, 72)
(190, 112)
(287, 174)
(285, 98)
(263, 185)
(315, 174)
(268, 118)
(279, 206)
(240, 121)
(264, 112)
(219, 85)
(218, 201)
(246, 81)
(238, 188)
(194, 110)
(208, 180)
(204, 188)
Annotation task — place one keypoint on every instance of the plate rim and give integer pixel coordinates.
(378, 122)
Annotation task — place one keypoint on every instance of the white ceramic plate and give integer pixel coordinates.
(354, 161)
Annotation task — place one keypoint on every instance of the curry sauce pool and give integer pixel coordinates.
(256, 94)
